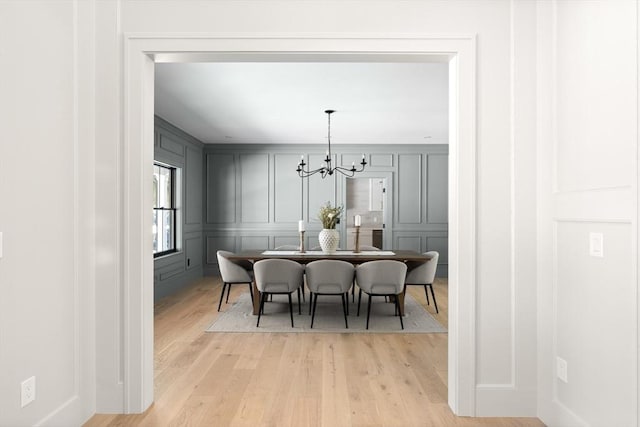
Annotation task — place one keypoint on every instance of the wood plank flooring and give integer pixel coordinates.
(259, 379)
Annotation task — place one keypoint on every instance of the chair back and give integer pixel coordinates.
(231, 271)
(425, 272)
(368, 248)
(329, 276)
(384, 277)
(278, 275)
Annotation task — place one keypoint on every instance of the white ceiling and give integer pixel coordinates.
(284, 102)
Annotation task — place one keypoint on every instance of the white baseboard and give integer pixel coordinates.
(70, 413)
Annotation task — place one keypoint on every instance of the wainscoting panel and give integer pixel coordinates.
(381, 160)
(193, 189)
(171, 145)
(287, 189)
(437, 188)
(216, 243)
(409, 189)
(254, 188)
(409, 243)
(193, 252)
(221, 189)
(248, 243)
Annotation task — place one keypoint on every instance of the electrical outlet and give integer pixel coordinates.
(28, 388)
(596, 245)
(561, 369)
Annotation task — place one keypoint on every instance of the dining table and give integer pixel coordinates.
(342, 255)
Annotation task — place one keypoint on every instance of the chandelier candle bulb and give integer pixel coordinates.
(301, 225)
(358, 221)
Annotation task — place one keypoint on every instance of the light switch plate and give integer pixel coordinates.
(596, 245)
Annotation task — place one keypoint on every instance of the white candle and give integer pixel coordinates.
(358, 220)
(301, 225)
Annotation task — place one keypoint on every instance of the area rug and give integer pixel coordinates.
(329, 317)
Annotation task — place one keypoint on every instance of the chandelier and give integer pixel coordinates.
(328, 168)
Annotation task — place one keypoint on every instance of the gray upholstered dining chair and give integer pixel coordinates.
(423, 274)
(278, 276)
(381, 278)
(330, 277)
(362, 248)
(233, 272)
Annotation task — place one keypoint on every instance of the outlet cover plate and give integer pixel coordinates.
(596, 245)
(561, 369)
(28, 391)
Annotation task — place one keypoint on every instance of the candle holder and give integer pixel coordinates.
(302, 242)
(357, 248)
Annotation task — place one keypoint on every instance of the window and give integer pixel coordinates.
(164, 209)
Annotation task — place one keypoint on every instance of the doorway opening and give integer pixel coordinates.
(138, 159)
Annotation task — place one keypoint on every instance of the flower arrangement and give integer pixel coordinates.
(329, 215)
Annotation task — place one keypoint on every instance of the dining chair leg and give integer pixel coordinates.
(398, 309)
(368, 311)
(434, 297)
(291, 309)
(263, 297)
(299, 309)
(228, 292)
(346, 297)
(310, 301)
(314, 299)
(345, 303)
(426, 294)
(359, 298)
(224, 285)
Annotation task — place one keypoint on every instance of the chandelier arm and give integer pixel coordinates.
(329, 169)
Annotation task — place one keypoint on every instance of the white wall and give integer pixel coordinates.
(46, 212)
(47, 309)
(587, 160)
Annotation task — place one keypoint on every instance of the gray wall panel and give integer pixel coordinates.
(193, 188)
(221, 188)
(437, 188)
(193, 252)
(287, 189)
(381, 160)
(248, 243)
(408, 243)
(409, 186)
(254, 188)
(216, 243)
(170, 144)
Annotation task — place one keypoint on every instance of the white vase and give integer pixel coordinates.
(329, 239)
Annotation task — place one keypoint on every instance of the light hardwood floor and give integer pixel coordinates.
(260, 379)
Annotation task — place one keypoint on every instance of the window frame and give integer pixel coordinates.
(173, 208)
